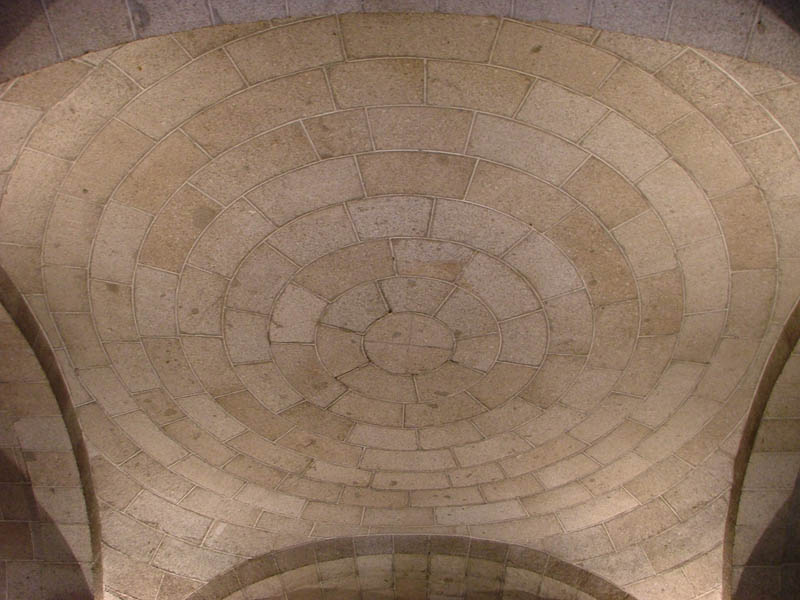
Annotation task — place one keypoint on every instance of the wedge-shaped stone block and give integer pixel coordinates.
(484, 513)
(246, 337)
(150, 438)
(421, 173)
(383, 438)
(530, 200)
(424, 460)
(503, 381)
(705, 275)
(685, 422)
(176, 228)
(440, 36)
(315, 186)
(452, 434)
(505, 292)
(532, 150)
(67, 127)
(155, 302)
(707, 155)
(132, 365)
(79, 336)
(275, 52)
(246, 409)
(482, 227)
(188, 560)
(29, 196)
(382, 81)
(368, 410)
(343, 132)
(105, 161)
(259, 109)
(331, 275)
(745, 220)
(423, 128)
(649, 54)
(682, 206)
(301, 367)
(524, 339)
(255, 446)
(642, 98)
(295, 315)
(559, 110)
(443, 410)
(242, 167)
(737, 114)
(597, 510)
(172, 367)
(616, 329)
(210, 416)
(149, 508)
(200, 298)
(672, 390)
(596, 256)
(374, 382)
(625, 145)
(475, 86)
(661, 298)
(154, 179)
(259, 279)
(426, 258)
(552, 379)
(314, 235)
(552, 56)
(315, 446)
(16, 121)
(266, 383)
(646, 243)
(207, 357)
(229, 238)
(177, 97)
(606, 193)
(148, 60)
(67, 288)
(45, 87)
(107, 390)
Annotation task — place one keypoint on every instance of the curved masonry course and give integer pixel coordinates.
(405, 274)
(39, 34)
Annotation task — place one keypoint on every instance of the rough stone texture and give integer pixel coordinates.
(41, 34)
(392, 274)
(44, 522)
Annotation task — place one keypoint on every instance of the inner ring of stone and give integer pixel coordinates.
(408, 343)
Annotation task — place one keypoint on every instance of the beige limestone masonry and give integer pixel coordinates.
(429, 274)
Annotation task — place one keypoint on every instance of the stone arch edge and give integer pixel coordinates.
(288, 559)
(20, 312)
(779, 355)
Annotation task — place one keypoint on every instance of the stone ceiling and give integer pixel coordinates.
(401, 274)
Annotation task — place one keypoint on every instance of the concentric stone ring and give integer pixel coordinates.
(401, 274)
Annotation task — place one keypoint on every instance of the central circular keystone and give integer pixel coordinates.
(408, 343)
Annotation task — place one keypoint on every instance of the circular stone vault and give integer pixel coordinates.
(407, 274)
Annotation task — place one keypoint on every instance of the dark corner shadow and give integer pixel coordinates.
(36, 562)
(15, 16)
(772, 571)
(787, 10)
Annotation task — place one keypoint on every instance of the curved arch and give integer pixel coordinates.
(770, 517)
(410, 565)
(19, 310)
